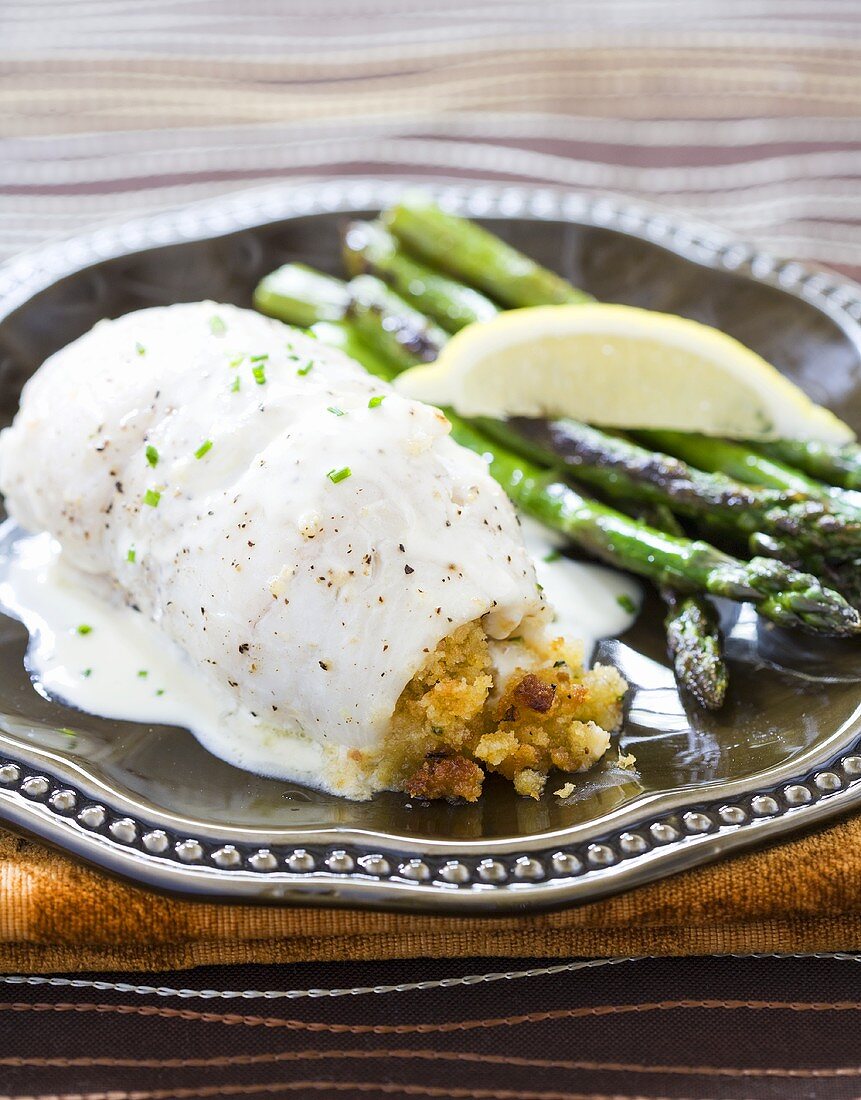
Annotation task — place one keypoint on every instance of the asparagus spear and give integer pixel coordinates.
(734, 459)
(694, 641)
(303, 293)
(624, 470)
(782, 594)
(834, 465)
(695, 647)
(369, 249)
(468, 252)
(841, 574)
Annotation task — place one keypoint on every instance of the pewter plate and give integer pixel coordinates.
(150, 804)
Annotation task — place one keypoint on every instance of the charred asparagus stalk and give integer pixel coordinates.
(624, 470)
(694, 641)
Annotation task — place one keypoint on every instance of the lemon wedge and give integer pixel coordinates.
(620, 367)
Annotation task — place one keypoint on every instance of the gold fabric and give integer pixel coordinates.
(802, 895)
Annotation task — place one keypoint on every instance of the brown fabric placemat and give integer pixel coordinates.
(800, 896)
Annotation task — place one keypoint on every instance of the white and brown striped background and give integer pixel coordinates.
(745, 112)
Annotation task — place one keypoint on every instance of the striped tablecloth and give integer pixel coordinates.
(744, 112)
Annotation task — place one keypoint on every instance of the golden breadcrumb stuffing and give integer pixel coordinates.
(453, 723)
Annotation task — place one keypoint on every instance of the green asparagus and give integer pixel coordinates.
(782, 594)
(623, 470)
(369, 249)
(303, 293)
(733, 459)
(463, 249)
(694, 641)
(834, 465)
(695, 647)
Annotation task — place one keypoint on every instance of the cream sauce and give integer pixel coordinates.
(107, 659)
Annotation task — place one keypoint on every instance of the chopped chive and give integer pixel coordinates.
(626, 603)
(140, 349)
(540, 587)
(335, 411)
(216, 326)
(259, 374)
(375, 402)
(236, 384)
(66, 732)
(554, 555)
(87, 672)
(236, 360)
(152, 455)
(143, 673)
(339, 475)
(205, 446)
(85, 628)
(160, 691)
(132, 554)
(258, 358)
(152, 497)
(309, 366)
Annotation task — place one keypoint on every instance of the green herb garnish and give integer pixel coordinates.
(259, 373)
(375, 402)
(236, 360)
(140, 349)
(258, 358)
(554, 555)
(205, 446)
(143, 673)
(309, 366)
(160, 691)
(216, 326)
(626, 603)
(339, 475)
(85, 628)
(236, 384)
(152, 497)
(152, 455)
(335, 411)
(86, 673)
(132, 554)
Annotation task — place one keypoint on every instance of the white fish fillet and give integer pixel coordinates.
(309, 601)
